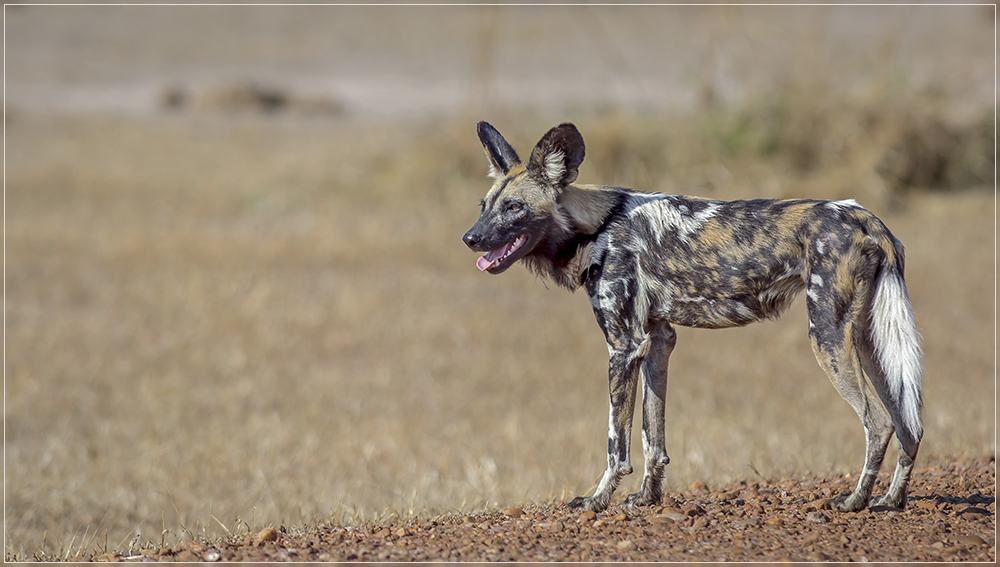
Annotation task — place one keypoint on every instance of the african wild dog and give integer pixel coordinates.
(650, 261)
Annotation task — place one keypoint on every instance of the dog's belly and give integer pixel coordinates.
(707, 313)
(729, 306)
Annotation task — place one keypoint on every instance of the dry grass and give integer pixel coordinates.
(216, 326)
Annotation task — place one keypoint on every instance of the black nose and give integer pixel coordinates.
(471, 239)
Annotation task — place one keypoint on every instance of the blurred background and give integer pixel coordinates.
(236, 293)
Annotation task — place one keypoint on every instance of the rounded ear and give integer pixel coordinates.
(558, 155)
(501, 155)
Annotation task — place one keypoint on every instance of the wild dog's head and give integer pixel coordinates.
(520, 210)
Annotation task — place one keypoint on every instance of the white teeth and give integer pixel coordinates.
(518, 243)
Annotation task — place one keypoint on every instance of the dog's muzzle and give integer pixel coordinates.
(472, 240)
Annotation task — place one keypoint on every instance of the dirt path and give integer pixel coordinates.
(950, 517)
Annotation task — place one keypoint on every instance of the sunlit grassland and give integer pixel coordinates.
(215, 326)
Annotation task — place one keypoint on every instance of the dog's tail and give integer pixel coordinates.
(897, 342)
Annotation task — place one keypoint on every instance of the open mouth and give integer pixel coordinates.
(494, 258)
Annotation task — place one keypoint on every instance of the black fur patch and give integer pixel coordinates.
(501, 154)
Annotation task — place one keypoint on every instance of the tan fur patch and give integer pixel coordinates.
(587, 206)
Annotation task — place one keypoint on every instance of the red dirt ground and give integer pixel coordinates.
(950, 516)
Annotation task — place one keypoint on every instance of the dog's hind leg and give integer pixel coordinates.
(834, 345)
(907, 442)
(843, 367)
(896, 496)
(654, 391)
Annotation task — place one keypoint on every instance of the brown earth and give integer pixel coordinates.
(950, 516)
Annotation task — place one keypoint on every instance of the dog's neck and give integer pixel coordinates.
(581, 211)
(587, 207)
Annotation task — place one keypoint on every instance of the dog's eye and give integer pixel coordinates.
(514, 207)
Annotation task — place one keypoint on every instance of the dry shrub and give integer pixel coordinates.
(246, 97)
(930, 153)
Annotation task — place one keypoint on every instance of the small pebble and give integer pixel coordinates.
(693, 510)
(818, 517)
(514, 512)
(971, 540)
(627, 545)
(818, 504)
(749, 522)
(267, 534)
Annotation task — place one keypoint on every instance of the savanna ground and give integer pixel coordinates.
(236, 295)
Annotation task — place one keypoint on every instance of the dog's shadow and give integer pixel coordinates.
(978, 502)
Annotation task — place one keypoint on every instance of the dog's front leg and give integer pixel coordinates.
(623, 375)
(654, 393)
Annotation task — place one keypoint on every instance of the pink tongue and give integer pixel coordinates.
(486, 262)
